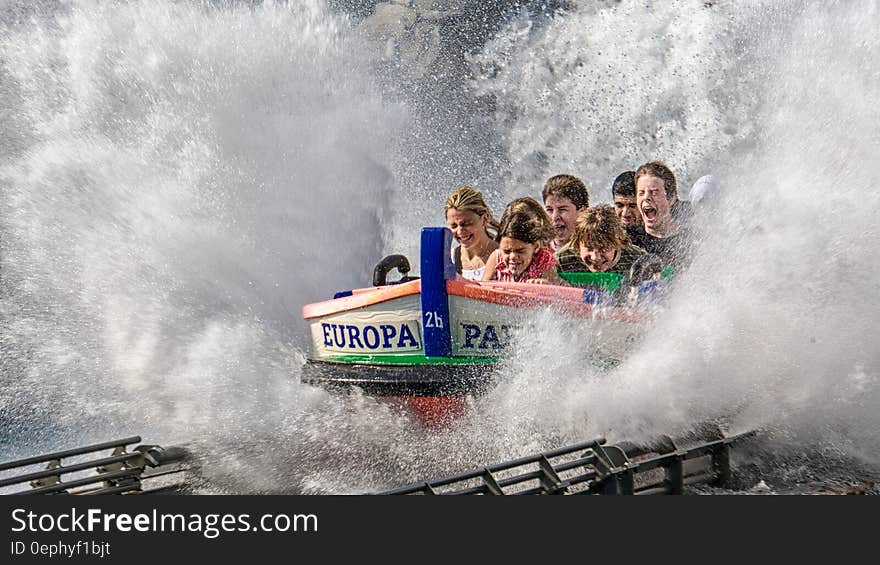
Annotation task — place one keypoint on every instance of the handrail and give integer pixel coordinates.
(119, 473)
(57, 471)
(600, 470)
(69, 452)
(487, 473)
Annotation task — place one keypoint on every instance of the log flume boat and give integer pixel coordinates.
(432, 339)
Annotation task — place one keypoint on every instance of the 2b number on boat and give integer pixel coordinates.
(433, 320)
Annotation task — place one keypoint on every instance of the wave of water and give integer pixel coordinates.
(775, 325)
(179, 178)
(175, 178)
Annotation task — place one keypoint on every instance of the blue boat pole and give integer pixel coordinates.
(436, 269)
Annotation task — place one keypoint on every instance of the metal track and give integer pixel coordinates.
(87, 472)
(594, 468)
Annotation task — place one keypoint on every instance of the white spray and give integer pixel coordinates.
(776, 325)
(178, 179)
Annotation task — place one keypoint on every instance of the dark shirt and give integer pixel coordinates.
(674, 250)
(636, 233)
(682, 212)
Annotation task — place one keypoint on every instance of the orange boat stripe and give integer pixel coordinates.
(361, 299)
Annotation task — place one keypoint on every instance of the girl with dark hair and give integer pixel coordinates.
(523, 255)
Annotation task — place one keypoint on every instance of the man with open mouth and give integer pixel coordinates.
(565, 196)
(661, 212)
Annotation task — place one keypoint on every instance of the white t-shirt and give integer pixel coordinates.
(470, 274)
(474, 274)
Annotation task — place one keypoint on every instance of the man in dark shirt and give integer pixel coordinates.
(623, 191)
(665, 218)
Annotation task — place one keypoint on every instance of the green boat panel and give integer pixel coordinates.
(609, 281)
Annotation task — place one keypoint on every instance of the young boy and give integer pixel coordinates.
(601, 242)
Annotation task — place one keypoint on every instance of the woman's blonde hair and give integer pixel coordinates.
(469, 198)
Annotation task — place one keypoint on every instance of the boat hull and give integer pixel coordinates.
(418, 379)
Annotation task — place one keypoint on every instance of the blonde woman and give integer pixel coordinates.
(474, 229)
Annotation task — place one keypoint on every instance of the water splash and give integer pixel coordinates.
(169, 171)
(774, 325)
(168, 180)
